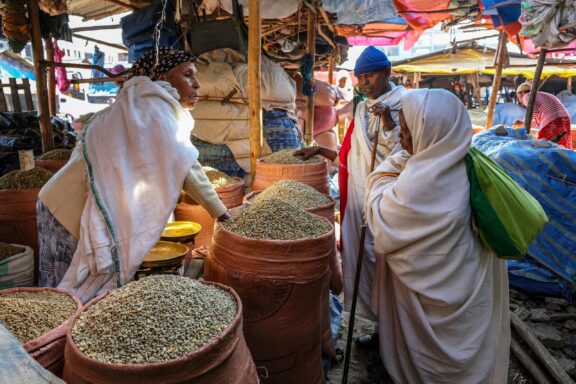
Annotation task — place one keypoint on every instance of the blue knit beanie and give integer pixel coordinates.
(371, 60)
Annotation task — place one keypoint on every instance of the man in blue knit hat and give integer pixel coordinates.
(380, 109)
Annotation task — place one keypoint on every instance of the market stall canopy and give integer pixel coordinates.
(472, 58)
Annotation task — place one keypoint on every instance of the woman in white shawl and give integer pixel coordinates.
(440, 296)
(112, 200)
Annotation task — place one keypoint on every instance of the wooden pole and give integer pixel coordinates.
(540, 351)
(569, 84)
(534, 91)
(51, 78)
(98, 41)
(531, 366)
(331, 70)
(501, 57)
(311, 49)
(477, 92)
(41, 86)
(254, 72)
(111, 75)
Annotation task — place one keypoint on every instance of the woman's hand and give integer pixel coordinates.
(385, 116)
(224, 217)
(307, 153)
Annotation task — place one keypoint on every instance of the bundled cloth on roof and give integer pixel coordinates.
(221, 131)
(360, 11)
(550, 24)
(269, 9)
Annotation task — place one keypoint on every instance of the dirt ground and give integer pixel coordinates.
(366, 366)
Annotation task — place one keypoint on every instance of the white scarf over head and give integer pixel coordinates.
(359, 159)
(137, 153)
(440, 296)
(433, 189)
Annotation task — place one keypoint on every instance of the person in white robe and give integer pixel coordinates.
(440, 296)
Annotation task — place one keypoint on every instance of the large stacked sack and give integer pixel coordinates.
(276, 257)
(21, 130)
(18, 197)
(38, 318)
(160, 329)
(16, 266)
(221, 132)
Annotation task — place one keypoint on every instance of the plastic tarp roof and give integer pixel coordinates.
(472, 60)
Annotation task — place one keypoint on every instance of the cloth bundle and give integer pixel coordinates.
(549, 23)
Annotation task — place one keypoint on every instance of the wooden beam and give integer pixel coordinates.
(540, 351)
(46, 63)
(27, 95)
(254, 91)
(91, 81)
(569, 84)
(477, 91)
(326, 19)
(117, 46)
(51, 77)
(16, 106)
(311, 49)
(531, 366)
(331, 70)
(41, 86)
(122, 4)
(501, 57)
(95, 28)
(534, 91)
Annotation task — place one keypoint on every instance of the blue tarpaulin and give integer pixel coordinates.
(16, 66)
(548, 172)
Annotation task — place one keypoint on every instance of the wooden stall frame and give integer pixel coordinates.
(311, 49)
(51, 77)
(41, 84)
(501, 56)
(534, 91)
(254, 86)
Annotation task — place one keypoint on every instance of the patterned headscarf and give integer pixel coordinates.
(168, 58)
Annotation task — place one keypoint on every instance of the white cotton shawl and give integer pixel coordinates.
(137, 153)
(440, 296)
(359, 159)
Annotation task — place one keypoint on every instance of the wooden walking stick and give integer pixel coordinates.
(359, 263)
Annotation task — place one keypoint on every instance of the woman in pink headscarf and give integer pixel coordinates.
(549, 114)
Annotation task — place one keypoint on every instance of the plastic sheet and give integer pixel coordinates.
(17, 366)
(360, 11)
(547, 172)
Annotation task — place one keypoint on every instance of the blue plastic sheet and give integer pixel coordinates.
(548, 173)
(508, 113)
(138, 30)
